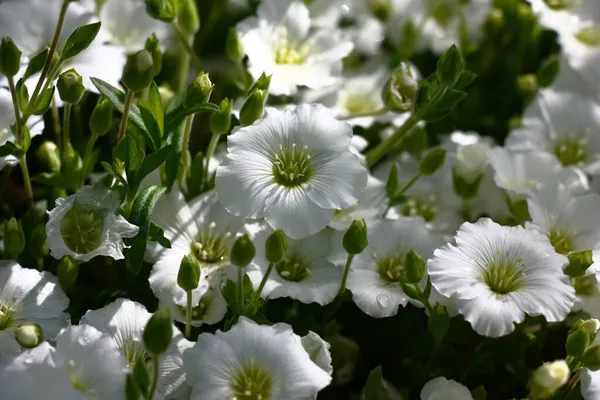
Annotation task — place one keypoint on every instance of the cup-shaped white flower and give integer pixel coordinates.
(253, 362)
(293, 168)
(84, 225)
(124, 320)
(497, 274)
(371, 205)
(305, 272)
(318, 351)
(441, 388)
(27, 295)
(375, 273)
(280, 41)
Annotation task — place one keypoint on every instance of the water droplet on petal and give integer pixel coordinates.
(382, 300)
(28, 360)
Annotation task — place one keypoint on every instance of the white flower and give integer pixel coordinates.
(252, 361)
(293, 168)
(441, 388)
(84, 225)
(16, 381)
(206, 230)
(371, 205)
(305, 272)
(318, 351)
(7, 118)
(375, 273)
(498, 274)
(564, 124)
(280, 41)
(27, 295)
(125, 320)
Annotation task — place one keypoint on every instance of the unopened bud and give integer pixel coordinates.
(275, 246)
(591, 357)
(577, 341)
(400, 90)
(14, 238)
(152, 45)
(37, 242)
(432, 162)
(220, 121)
(49, 157)
(70, 86)
(242, 251)
(414, 267)
(158, 332)
(101, 118)
(548, 379)
(163, 10)
(450, 66)
(189, 273)
(10, 57)
(29, 335)
(355, 239)
(139, 71)
(233, 46)
(262, 83)
(253, 107)
(67, 271)
(199, 91)
(591, 326)
(189, 19)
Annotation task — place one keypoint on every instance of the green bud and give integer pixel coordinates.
(591, 357)
(101, 118)
(275, 246)
(400, 91)
(189, 19)
(253, 107)
(163, 10)
(579, 262)
(242, 252)
(548, 379)
(220, 122)
(450, 66)
(233, 46)
(432, 162)
(29, 335)
(152, 45)
(262, 83)
(439, 321)
(70, 86)
(199, 91)
(412, 290)
(37, 242)
(10, 57)
(189, 273)
(142, 378)
(577, 341)
(132, 391)
(139, 71)
(590, 326)
(14, 238)
(158, 332)
(49, 157)
(463, 188)
(392, 185)
(414, 267)
(67, 271)
(355, 239)
(527, 84)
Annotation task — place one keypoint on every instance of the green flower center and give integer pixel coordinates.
(74, 373)
(585, 285)
(426, 208)
(443, 11)
(82, 228)
(571, 151)
(391, 268)
(589, 36)
(503, 277)
(562, 242)
(559, 4)
(211, 247)
(201, 311)
(7, 317)
(292, 166)
(358, 103)
(252, 383)
(133, 351)
(290, 53)
(293, 268)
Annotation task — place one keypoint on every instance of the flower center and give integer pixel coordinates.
(391, 268)
(74, 373)
(252, 383)
(356, 103)
(426, 208)
(202, 310)
(287, 52)
(293, 268)
(133, 351)
(589, 36)
(443, 11)
(585, 285)
(7, 317)
(211, 247)
(292, 166)
(571, 151)
(562, 242)
(503, 277)
(81, 228)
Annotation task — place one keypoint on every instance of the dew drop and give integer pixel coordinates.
(28, 360)
(382, 300)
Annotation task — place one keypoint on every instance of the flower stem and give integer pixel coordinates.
(385, 146)
(56, 123)
(19, 137)
(186, 143)
(188, 315)
(264, 280)
(375, 113)
(337, 302)
(209, 153)
(573, 381)
(87, 158)
(186, 43)
(154, 378)
(402, 191)
(123, 127)
(66, 128)
(240, 287)
(345, 276)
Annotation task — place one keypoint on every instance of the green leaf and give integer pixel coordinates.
(117, 98)
(174, 164)
(22, 94)
(79, 40)
(158, 235)
(43, 102)
(444, 106)
(464, 80)
(141, 213)
(36, 63)
(128, 152)
(11, 149)
(548, 71)
(155, 106)
(176, 112)
(229, 292)
(152, 162)
(374, 387)
(196, 174)
(450, 66)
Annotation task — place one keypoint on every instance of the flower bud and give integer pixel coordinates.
(132, 391)
(591, 357)
(153, 47)
(548, 379)
(70, 86)
(591, 326)
(158, 332)
(139, 71)
(414, 267)
(29, 335)
(450, 66)
(67, 271)
(242, 252)
(432, 162)
(527, 84)
(220, 122)
(49, 157)
(101, 118)
(253, 107)
(199, 91)
(412, 290)
(14, 238)
(262, 83)
(400, 90)
(233, 46)
(579, 262)
(142, 378)
(471, 160)
(10, 57)
(577, 341)
(439, 321)
(163, 10)
(189, 19)
(189, 273)
(37, 242)
(275, 246)
(355, 239)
